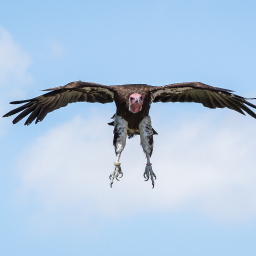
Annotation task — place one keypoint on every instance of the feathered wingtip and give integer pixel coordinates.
(27, 109)
(17, 110)
(19, 101)
(250, 98)
(250, 104)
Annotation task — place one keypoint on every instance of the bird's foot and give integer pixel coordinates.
(149, 173)
(117, 173)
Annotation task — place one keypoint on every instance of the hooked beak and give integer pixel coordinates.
(135, 103)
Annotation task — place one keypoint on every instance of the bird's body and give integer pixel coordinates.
(133, 103)
(121, 98)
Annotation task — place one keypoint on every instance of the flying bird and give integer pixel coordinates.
(133, 102)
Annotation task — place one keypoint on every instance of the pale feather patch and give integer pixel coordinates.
(97, 89)
(146, 135)
(121, 127)
(133, 131)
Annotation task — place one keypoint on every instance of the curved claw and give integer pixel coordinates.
(146, 176)
(116, 174)
(149, 174)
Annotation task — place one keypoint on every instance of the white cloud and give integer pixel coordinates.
(14, 62)
(14, 75)
(202, 165)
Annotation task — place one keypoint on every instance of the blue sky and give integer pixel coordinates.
(55, 194)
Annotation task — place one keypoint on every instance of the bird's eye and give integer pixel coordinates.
(140, 97)
(131, 98)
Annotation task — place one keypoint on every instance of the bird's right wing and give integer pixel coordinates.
(59, 97)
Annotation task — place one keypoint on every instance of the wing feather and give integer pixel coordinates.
(42, 114)
(17, 110)
(195, 96)
(214, 102)
(59, 97)
(216, 97)
(188, 97)
(24, 113)
(232, 103)
(245, 108)
(54, 102)
(47, 101)
(182, 97)
(77, 95)
(33, 115)
(90, 98)
(209, 96)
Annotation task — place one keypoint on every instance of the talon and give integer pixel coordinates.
(116, 174)
(149, 174)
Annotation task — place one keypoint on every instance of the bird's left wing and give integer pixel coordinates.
(59, 97)
(209, 96)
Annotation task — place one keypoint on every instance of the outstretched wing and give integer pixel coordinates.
(209, 96)
(59, 97)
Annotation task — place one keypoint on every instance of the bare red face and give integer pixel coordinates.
(135, 102)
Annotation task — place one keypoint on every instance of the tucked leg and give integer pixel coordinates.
(146, 138)
(120, 134)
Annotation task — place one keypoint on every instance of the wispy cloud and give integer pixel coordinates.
(202, 165)
(14, 62)
(14, 74)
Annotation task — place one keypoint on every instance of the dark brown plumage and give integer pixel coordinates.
(211, 97)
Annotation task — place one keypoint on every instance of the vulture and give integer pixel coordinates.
(133, 102)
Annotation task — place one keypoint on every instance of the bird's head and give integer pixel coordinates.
(135, 102)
